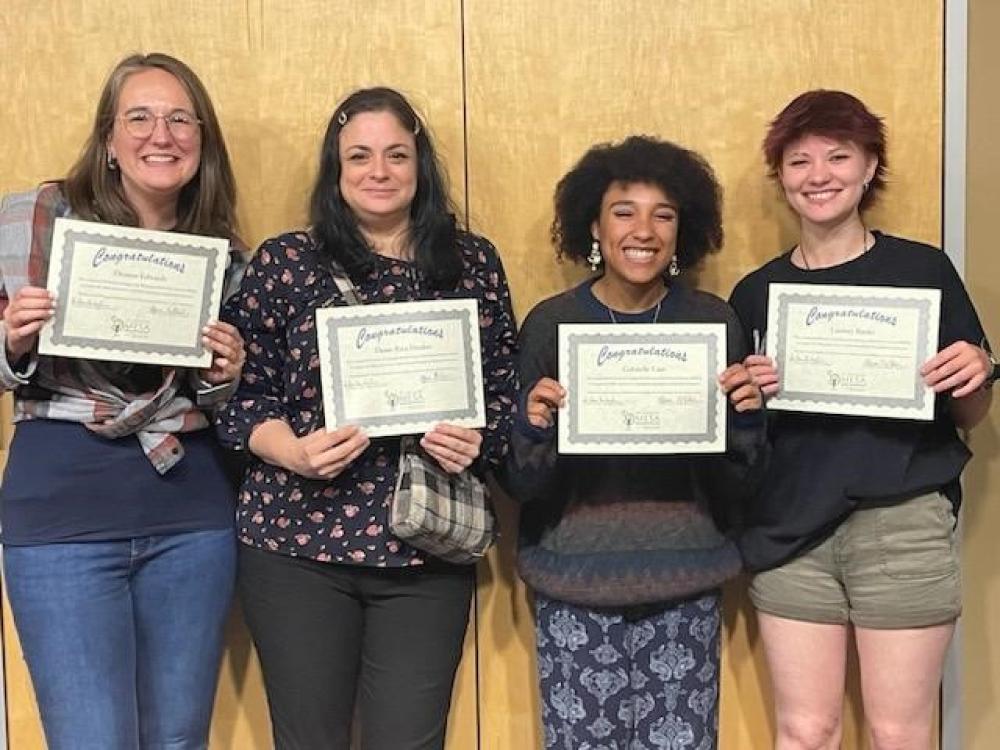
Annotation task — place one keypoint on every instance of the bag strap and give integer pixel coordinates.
(345, 285)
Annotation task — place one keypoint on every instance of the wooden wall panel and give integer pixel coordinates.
(275, 71)
(547, 80)
(544, 81)
(980, 658)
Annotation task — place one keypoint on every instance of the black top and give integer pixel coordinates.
(824, 466)
(622, 530)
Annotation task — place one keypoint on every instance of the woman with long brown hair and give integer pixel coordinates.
(117, 514)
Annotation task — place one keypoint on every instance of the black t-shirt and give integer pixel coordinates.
(824, 466)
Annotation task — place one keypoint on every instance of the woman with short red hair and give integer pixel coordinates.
(855, 524)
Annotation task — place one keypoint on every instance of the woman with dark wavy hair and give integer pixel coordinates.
(339, 607)
(117, 512)
(625, 552)
(853, 530)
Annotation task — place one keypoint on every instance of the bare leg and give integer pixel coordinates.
(900, 677)
(807, 664)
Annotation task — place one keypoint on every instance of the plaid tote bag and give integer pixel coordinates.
(448, 515)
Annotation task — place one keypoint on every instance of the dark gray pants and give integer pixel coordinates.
(327, 633)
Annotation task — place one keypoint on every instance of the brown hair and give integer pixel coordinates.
(206, 205)
(830, 114)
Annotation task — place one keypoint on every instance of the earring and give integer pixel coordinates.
(595, 257)
(864, 187)
(112, 162)
(673, 269)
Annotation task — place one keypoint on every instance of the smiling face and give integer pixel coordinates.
(637, 231)
(824, 179)
(378, 169)
(154, 168)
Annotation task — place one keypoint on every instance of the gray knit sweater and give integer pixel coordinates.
(621, 530)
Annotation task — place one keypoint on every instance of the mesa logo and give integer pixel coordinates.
(642, 420)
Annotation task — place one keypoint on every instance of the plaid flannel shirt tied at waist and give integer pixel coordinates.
(78, 391)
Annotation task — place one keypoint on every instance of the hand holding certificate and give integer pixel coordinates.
(401, 368)
(647, 388)
(853, 350)
(132, 295)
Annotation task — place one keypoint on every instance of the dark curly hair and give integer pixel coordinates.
(683, 176)
(433, 227)
(831, 114)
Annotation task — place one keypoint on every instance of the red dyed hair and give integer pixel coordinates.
(830, 114)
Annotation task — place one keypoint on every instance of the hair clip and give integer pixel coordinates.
(416, 126)
(342, 118)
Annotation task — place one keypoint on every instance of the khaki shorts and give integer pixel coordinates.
(885, 567)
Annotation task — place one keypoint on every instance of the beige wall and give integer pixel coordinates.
(980, 664)
(513, 98)
(546, 80)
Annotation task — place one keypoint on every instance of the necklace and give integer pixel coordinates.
(656, 312)
(864, 249)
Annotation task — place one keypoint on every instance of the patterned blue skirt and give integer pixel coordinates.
(634, 678)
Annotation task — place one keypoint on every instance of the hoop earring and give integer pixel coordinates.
(595, 257)
(673, 269)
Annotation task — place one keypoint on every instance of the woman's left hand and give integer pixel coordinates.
(453, 447)
(227, 352)
(744, 393)
(961, 368)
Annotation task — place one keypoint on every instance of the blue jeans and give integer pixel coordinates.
(123, 639)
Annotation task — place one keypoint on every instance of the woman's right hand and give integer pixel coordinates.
(544, 398)
(318, 455)
(324, 455)
(24, 317)
(762, 371)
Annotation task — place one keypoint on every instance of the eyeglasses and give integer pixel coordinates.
(140, 123)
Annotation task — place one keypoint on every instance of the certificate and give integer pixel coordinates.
(400, 368)
(642, 388)
(853, 350)
(132, 295)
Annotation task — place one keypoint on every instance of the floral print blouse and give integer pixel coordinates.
(344, 520)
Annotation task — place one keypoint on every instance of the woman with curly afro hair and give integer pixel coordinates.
(626, 553)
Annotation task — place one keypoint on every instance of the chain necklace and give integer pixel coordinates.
(656, 312)
(864, 249)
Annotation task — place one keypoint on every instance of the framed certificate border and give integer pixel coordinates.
(710, 335)
(470, 408)
(54, 340)
(918, 404)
